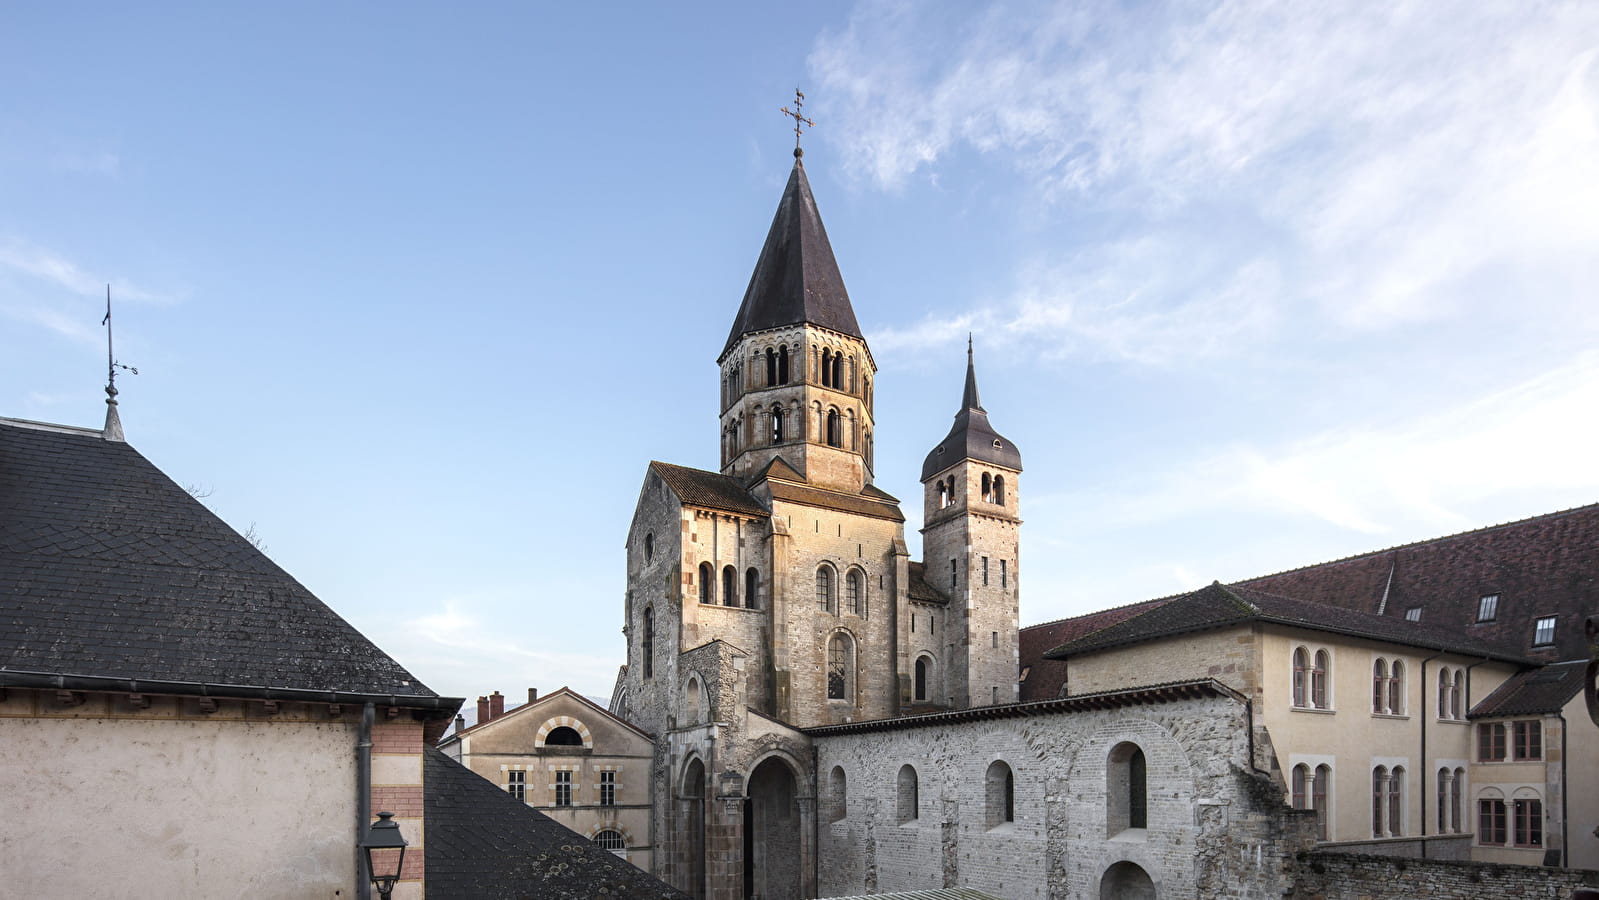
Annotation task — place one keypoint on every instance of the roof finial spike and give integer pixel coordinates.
(798, 114)
(970, 399)
(113, 422)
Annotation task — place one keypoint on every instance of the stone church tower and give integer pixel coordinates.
(777, 593)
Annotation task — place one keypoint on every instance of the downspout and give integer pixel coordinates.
(1565, 790)
(363, 801)
(1425, 769)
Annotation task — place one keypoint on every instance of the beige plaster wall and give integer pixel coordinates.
(176, 808)
(1582, 785)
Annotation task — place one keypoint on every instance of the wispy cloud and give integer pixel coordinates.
(1368, 169)
(45, 289)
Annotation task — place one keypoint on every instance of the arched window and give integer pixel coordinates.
(1301, 676)
(752, 586)
(1457, 791)
(837, 794)
(612, 841)
(838, 370)
(1396, 689)
(988, 488)
(777, 424)
(839, 666)
(853, 592)
(649, 547)
(648, 642)
(782, 364)
(1301, 786)
(563, 736)
(1126, 788)
(1458, 691)
(1318, 680)
(691, 702)
(907, 804)
(707, 583)
(824, 588)
(827, 368)
(771, 367)
(952, 497)
(999, 489)
(1446, 779)
(943, 495)
(835, 435)
(1396, 801)
(1318, 798)
(920, 694)
(1379, 793)
(1444, 684)
(729, 586)
(999, 794)
(1379, 686)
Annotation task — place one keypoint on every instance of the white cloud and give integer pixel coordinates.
(44, 288)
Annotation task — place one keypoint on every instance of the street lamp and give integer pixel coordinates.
(385, 853)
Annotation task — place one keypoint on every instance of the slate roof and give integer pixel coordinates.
(971, 437)
(711, 490)
(483, 844)
(1219, 605)
(1546, 565)
(919, 589)
(796, 278)
(111, 571)
(1542, 690)
(1045, 677)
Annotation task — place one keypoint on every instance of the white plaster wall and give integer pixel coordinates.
(128, 808)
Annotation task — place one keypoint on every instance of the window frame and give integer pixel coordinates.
(563, 788)
(1487, 609)
(516, 784)
(608, 788)
(1548, 633)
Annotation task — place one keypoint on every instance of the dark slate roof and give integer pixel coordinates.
(796, 278)
(919, 589)
(110, 570)
(483, 844)
(868, 502)
(1543, 566)
(712, 490)
(1219, 605)
(1046, 676)
(1543, 690)
(971, 437)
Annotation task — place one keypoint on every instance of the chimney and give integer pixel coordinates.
(532, 694)
(482, 710)
(496, 705)
(460, 723)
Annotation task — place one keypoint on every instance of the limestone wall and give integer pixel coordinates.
(1335, 876)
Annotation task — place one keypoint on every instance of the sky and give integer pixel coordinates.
(416, 292)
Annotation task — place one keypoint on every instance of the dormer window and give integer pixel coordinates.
(1488, 608)
(997, 444)
(1543, 632)
(1413, 614)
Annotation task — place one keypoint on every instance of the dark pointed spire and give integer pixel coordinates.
(971, 437)
(796, 278)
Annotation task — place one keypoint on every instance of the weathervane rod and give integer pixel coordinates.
(110, 355)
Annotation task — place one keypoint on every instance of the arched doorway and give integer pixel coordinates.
(1126, 881)
(691, 829)
(772, 834)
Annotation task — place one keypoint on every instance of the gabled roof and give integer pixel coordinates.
(1219, 605)
(484, 844)
(1542, 690)
(1046, 676)
(110, 572)
(796, 278)
(919, 589)
(1546, 565)
(562, 691)
(971, 437)
(868, 502)
(712, 490)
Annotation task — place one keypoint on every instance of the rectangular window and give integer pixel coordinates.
(1413, 614)
(516, 784)
(607, 788)
(1490, 821)
(1491, 742)
(913, 623)
(563, 788)
(994, 638)
(1543, 632)
(1002, 582)
(1488, 608)
(985, 571)
(954, 570)
(1527, 742)
(1529, 823)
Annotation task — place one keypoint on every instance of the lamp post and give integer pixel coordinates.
(385, 853)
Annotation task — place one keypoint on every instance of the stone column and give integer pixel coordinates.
(724, 840)
(807, 842)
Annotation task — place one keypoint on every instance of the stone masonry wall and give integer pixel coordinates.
(1339, 876)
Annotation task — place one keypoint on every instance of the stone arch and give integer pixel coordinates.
(1171, 779)
(772, 823)
(841, 664)
(922, 677)
(856, 589)
(689, 819)
(999, 794)
(1127, 880)
(696, 702)
(563, 722)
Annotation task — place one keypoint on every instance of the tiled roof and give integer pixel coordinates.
(110, 570)
(861, 504)
(919, 589)
(796, 278)
(1046, 676)
(712, 490)
(1541, 690)
(1219, 605)
(1543, 566)
(484, 844)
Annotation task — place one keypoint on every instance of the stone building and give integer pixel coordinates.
(570, 758)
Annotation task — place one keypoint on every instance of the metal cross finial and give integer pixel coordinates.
(799, 119)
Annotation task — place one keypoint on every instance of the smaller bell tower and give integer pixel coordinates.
(972, 550)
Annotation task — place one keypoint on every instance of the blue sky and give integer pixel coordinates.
(418, 292)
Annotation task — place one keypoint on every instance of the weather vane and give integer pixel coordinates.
(110, 358)
(798, 113)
